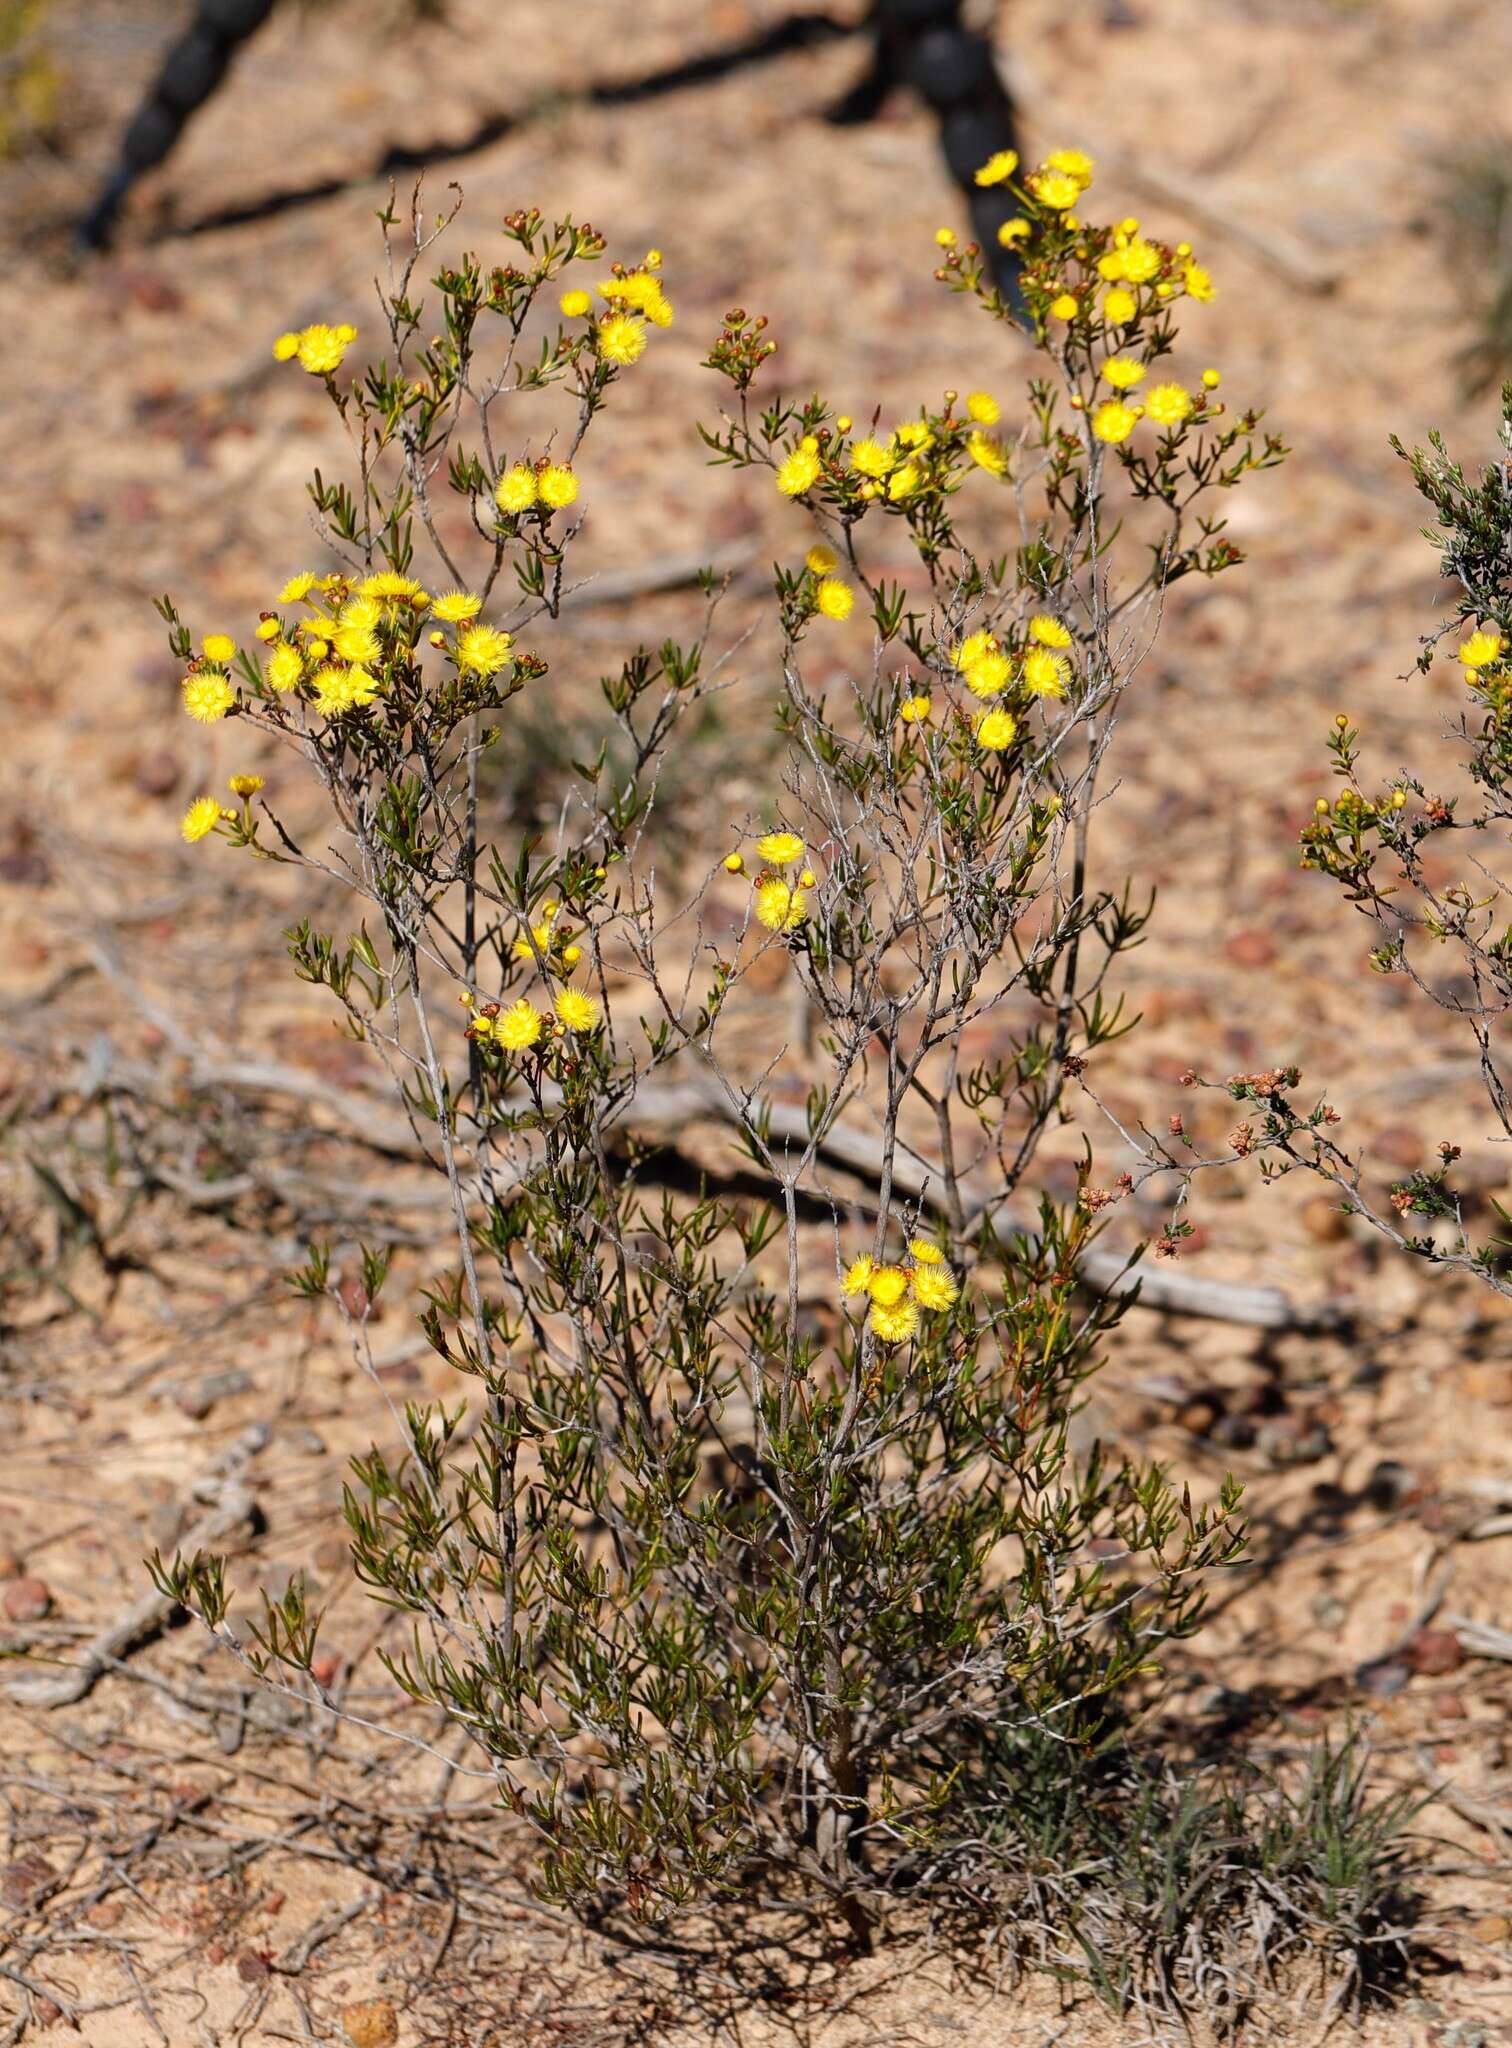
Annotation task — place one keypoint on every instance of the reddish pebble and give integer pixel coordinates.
(27, 1600)
(1251, 949)
(1434, 1652)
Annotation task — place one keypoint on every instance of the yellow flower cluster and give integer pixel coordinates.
(1040, 668)
(318, 348)
(897, 1293)
(1168, 405)
(550, 485)
(780, 902)
(343, 652)
(636, 300)
(521, 1025)
(550, 941)
(207, 812)
(917, 458)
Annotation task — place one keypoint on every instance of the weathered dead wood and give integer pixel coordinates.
(230, 1514)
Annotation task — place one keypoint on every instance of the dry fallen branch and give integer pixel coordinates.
(665, 1110)
(230, 1514)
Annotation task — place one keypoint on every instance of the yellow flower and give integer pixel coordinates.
(575, 304)
(1123, 373)
(540, 933)
(484, 649)
(914, 710)
(1141, 261)
(388, 585)
(1056, 189)
(999, 166)
(208, 696)
(1114, 421)
(1046, 674)
(245, 785)
(577, 1011)
(996, 731)
(987, 453)
(202, 817)
(988, 674)
(982, 407)
(1199, 284)
(338, 690)
(516, 489)
(779, 907)
(1169, 404)
(858, 1276)
(457, 607)
(268, 629)
(357, 643)
(903, 482)
(734, 863)
(287, 345)
(522, 1023)
(870, 458)
(1014, 230)
(1063, 307)
(362, 612)
(1049, 632)
(946, 237)
(296, 588)
(285, 666)
(1481, 649)
(934, 1285)
(1212, 379)
(798, 472)
(781, 847)
(621, 338)
(642, 292)
(925, 1253)
(914, 434)
(1119, 306)
(973, 647)
(821, 559)
(887, 1285)
(557, 486)
(321, 348)
(218, 647)
(894, 1325)
(835, 599)
(1075, 163)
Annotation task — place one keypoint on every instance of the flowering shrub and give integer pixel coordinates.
(1420, 865)
(740, 1586)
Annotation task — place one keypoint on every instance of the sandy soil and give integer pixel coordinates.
(186, 1862)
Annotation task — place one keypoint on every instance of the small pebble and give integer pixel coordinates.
(27, 1600)
(1434, 1652)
